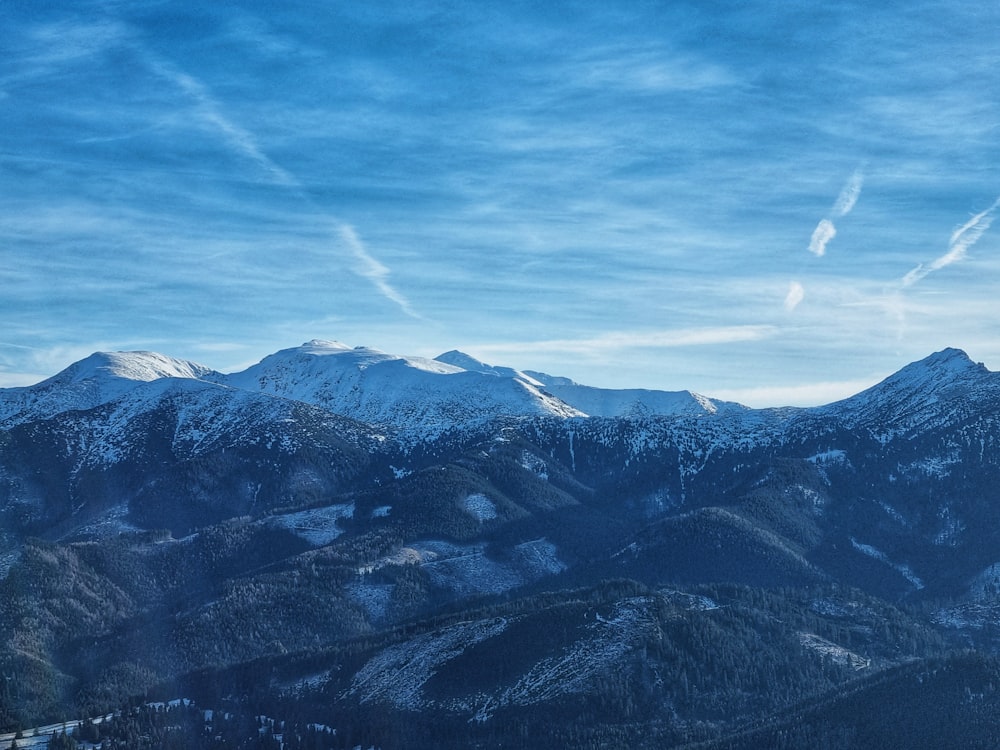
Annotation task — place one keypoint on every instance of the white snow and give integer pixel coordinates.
(692, 602)
(903, 569)
(398, 673)
(638, 402)
(101, 378)
(837, 654)
(374, 598)
(480, 507)
(986, 585)
(534, 464)
(318, 526)
(421, 396)
(951, 528)
(7, 561)
(598, 652)
(833, 456)
(467, 570)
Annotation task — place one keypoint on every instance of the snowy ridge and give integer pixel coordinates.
(944, 387)
(423, 399)
(602, 402)
(406, 393)
(99, 379)
(466, 362)
(638, 402)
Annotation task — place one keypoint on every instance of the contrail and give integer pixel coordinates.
(959, 243)
(373, 270)
(243, 142)
(849, 194)
(825, 230)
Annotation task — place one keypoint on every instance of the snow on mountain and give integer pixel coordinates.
(466, 362)
(602, 402)
(945, 386)
(426, 397)
(101, 378)
(638, 402)
(408, 393)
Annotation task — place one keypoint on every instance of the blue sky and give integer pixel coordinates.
(778, 203)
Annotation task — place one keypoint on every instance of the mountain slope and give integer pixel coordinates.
(100, 378)
(423, 397)
(940, 389)
(602, 402)
(301, 532)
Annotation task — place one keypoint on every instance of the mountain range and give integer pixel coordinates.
(448, 553)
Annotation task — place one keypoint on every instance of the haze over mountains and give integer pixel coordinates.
(448, 552)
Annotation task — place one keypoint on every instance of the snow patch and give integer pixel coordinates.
(837, 654)
(903, 569)
(986, 585)
(318, 526)
(480, 507)
(373, 598)
(467, 570)
(534, 464)
(398, 673)
(830, 457)
(690, 602)
(608, 640)
(937, 467)
(951, 528)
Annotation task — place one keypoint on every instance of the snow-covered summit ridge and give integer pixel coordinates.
(939, 384)
(141, 366)
(427, 396)
(603, 402)
(467, 362)
(412, 394)
(98, 379)
(326, 356)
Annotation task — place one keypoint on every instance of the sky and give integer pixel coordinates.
(774, 203)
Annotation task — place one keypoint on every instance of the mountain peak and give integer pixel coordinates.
(98, 379)
(141, 366)
(322, 346)
(946, 367)
(461, 359)
(924, 388)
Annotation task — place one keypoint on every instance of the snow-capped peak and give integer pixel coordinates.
(946, 380)
(410, 393)
(322, 358)
(98, 379)
(943, 373)
(320, 347)
(140, 366)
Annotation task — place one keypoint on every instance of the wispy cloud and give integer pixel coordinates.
(822, 234)
(825, 230)
(648, 70)
(372, 269)
(849, 194)
(211, 114)
(809, 394)
(796, 293)
(959, 243)
(243, 142)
